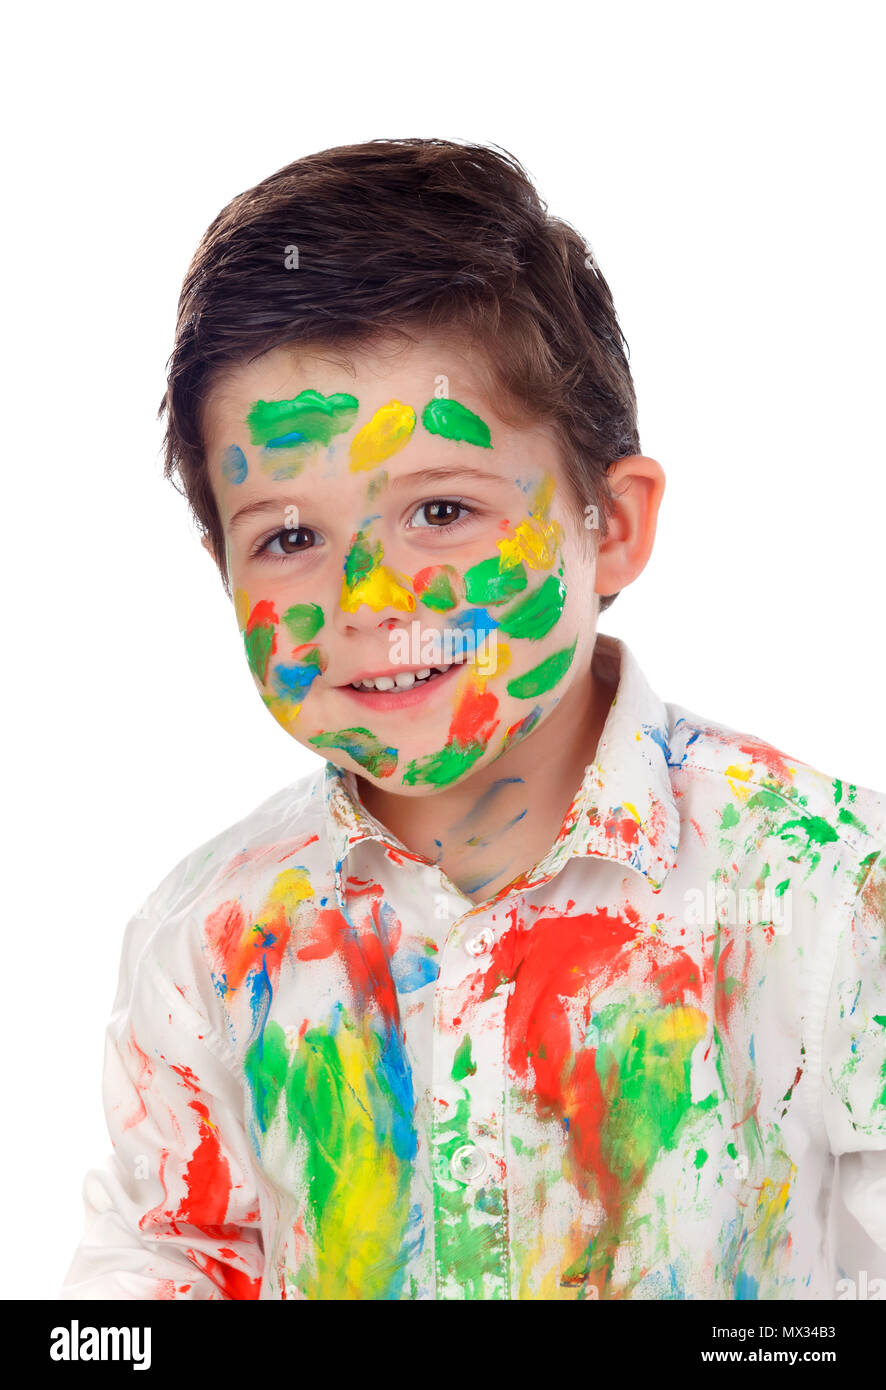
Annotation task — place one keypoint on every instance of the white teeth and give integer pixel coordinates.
(404, 680)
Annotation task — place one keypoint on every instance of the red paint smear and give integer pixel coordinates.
(724, 1003)
(141, 1083)
(232, 1283)
(207, 1177)
(474, 719)
(773, 759)
(560, 957)
(263, 614)
(423, 578)
(362, 951)
(239, 946)
(625, 828)
(189, 1078)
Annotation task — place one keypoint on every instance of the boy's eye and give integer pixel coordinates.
(287, 542)
(441, 512)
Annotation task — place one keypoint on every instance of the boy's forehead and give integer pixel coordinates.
(414, 375)
(446, 415)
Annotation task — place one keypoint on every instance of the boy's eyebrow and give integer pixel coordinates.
(268, 505)
(443, 474)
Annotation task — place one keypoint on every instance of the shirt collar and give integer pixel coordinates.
(624, 809)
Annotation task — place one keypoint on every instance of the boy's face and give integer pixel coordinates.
(387, 524)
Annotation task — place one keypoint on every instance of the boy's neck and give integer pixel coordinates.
(499, 823)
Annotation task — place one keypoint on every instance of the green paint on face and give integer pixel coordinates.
(259, 644)
(543, 676)
(535, 614)
(303, 621)
(377, 483)
(439, 587)
(454, 421)
(363, 746)
(444, 767)
(488, 582)
(360, 560)
(310, 418)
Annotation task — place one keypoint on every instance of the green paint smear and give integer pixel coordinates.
(535, 614)
(439, 595)
(444, 767)
(645, 1080)
(847, 818)
(377, 482)
(542, 677)
(314, 416)
(487, 582)
(730, 817)
(363, 746)
(462, 1064)
(259, 644)
(303, 621)
(360, 560)
(468, 1249)
(454, 421)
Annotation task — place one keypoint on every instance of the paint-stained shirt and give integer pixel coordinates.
(652, 1067)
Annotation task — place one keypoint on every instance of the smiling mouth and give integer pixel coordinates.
(391, 692)
(403, 680)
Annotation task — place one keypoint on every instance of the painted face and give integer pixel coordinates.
(412, 590)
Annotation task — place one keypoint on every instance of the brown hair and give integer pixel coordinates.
(444, 237)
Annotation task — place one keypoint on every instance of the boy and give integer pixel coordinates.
(537, 987)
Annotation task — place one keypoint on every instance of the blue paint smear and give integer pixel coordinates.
(411, 971)
(295, 681)
(395, 1084)
(746, 1287)
(286, 441)
(234, 465)
(660, 737)
(475, 621)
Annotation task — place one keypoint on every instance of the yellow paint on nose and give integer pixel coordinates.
(379, 589)
(385, 434)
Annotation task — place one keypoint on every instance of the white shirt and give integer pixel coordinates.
(329, 1075)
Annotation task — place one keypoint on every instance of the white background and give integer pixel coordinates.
(723, 161)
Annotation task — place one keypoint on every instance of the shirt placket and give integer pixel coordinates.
(468, 1117)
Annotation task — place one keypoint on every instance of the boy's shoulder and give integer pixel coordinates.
(760, 775)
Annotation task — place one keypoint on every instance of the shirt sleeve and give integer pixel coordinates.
(175, 1213)
(854, 1072)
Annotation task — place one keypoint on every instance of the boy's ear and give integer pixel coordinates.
(207, 545)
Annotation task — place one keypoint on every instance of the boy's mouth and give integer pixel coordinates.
(401, 689)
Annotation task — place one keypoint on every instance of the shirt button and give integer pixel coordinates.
(480, 944)
(467, 1163)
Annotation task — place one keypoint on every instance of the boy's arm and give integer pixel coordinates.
(854, 1072)
(175, 1212)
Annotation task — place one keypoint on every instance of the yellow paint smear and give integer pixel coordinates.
(385, 434)
(364, 1216)
(379, 589)
(241, 607)
(534, 542)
